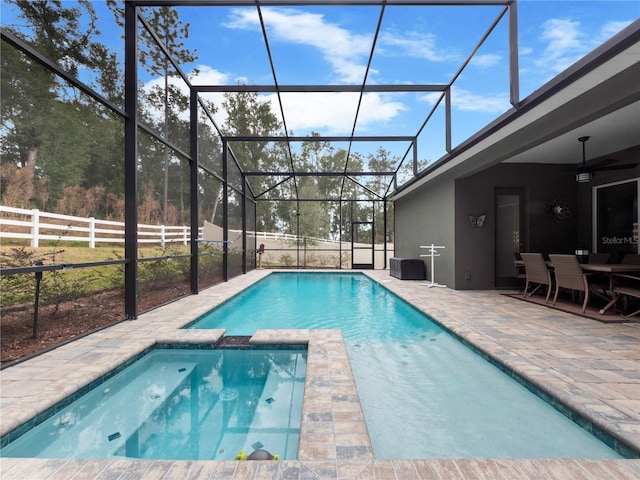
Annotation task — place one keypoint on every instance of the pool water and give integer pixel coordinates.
(181, 404)
(424, 394)
(360, 307)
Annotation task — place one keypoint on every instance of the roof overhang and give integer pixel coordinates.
(598, 96)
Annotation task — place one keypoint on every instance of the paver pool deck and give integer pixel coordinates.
(591, 366)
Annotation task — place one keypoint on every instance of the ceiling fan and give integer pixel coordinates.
(584, 173)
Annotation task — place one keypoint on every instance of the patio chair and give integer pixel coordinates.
(518, 265)
(631, 259)
(569, 275)
(598, 258)
(628, 288)
(537, 273)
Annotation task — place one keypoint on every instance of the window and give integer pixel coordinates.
(616, 217)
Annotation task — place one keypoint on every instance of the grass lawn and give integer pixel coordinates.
(62, 254)
(18, 289)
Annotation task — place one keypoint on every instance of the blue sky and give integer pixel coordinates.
(416, 45)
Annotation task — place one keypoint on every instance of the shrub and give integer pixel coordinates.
(20, 288)
(56, 286)
(286, 260)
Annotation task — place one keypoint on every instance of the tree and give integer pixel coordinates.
(31, 90)
(45, 121)
(381, 161)
(209, 157)
(248, 115)
(167, 98)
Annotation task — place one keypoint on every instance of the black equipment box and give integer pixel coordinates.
(407, 268)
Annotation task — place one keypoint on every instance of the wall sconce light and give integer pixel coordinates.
(477, 222)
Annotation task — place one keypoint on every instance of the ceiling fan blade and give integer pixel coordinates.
(614, 167)
(601, 163)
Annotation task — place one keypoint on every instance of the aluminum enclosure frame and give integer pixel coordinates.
(133, 18)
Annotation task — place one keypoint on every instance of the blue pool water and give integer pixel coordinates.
(181, 404)
(424, 394)
(361, 308)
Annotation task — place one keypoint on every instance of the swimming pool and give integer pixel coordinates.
(195, 404)
(424, 394)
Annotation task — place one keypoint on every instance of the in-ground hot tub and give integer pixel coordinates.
(177, 403)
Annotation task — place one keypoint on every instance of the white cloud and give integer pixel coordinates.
(205, 76)
(609, 29)
(328, 113)
(333, 113)
(415, 45)
(565, 44)
(346, 52)
(377, 108)
(525, 50)
(431, 98)
(562, 35)
(466, 101)
(209, 76)
(560, 44)
(485, 61)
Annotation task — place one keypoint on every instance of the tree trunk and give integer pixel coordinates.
(216, 203)
(165, 196)
(32, 154)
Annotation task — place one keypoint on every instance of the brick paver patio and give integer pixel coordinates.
(593, 367)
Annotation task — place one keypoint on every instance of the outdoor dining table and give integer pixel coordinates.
(610, 269)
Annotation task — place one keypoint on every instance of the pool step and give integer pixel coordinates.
(102, 422)
(276, 421)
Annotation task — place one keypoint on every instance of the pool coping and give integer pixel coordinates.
(333, 432)
(332, 422)
(332, 426)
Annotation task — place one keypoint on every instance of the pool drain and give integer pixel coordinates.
(228, 394)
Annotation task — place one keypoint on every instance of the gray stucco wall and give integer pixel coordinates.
(438, 213)
(475, 195)
(424, 217)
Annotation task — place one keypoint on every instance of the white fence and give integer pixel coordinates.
(34, 226)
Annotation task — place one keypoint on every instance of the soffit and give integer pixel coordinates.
(603, 103)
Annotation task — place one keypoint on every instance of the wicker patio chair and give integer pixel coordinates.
(628, 288)
(631, 259)
(519, 266)
(537, 273)
(598, 258)
(569, 275)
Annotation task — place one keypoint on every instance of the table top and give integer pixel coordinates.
(599, 267)
(610, 267)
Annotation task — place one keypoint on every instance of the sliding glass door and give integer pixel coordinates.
(615, 219)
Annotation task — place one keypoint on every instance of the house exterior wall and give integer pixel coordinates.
(438, 213)
(476, 195)
(424, 217)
